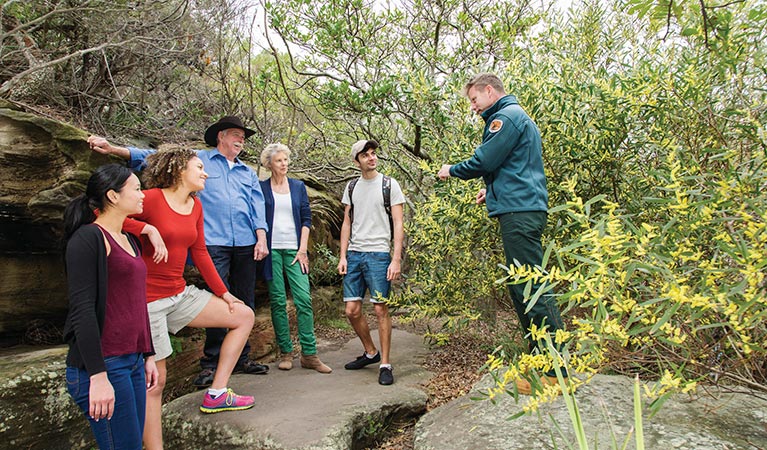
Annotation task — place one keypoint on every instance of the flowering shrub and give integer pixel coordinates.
(655, 155)
(681, 298)
(447, 271)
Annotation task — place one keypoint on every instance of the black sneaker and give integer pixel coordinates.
(385, 376)
(205, 378)
(363, 361)
(251, 367)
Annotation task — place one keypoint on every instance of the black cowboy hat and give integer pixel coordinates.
(224, 123)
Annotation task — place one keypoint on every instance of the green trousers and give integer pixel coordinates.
(521, 233)
(282, 272)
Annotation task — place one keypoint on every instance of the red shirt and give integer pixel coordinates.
(183, 234)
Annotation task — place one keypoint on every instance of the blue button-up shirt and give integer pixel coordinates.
(232, 201)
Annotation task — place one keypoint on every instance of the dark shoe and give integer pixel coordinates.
(385, 376)
(251, 367)
(363, 361)
(205, 378)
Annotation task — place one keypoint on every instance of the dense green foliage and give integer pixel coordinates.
(652, 115)
(661, 270)
(108, 63)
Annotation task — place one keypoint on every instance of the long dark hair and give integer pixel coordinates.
(79, 211)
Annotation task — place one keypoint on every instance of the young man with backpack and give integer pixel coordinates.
(368, 260)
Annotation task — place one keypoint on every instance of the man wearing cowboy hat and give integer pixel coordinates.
(235, 223)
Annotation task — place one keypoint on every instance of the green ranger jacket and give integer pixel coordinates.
(509, 160)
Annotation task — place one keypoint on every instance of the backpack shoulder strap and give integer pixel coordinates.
(386, 187)
(352, 183)
(386, 190)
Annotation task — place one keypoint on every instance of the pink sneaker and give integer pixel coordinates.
(226, 402)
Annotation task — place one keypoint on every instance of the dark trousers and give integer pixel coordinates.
(237, 268)
(521, 233)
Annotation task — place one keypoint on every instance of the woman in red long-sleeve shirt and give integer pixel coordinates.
(171, 207)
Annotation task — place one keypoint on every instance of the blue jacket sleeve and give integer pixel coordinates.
(306, 211)
(491, 154)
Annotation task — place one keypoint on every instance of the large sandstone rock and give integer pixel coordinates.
(36, 412)
(713, 420)
(303, 409)
(43, 164)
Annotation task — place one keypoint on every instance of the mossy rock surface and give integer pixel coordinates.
(36, 412)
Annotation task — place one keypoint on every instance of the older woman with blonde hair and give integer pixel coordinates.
(174, 176)
(289, 218)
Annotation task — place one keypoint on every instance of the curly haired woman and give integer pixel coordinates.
(174, 176)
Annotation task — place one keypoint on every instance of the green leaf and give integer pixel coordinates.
(638, 428)
(690, 31)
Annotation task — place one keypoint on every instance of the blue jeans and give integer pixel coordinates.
(237, 268)
(126, 374)
(367, 270)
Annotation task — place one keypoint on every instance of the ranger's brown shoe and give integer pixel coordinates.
(524, 387)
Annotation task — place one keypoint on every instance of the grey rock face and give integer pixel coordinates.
(302, 409)
(36, 411)
(711, 420)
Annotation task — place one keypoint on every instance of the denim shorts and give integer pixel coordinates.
(170, 314)
(367, 270)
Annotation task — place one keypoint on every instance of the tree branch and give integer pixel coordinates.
(16, 79)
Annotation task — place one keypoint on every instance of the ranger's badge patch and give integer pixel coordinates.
(495, 126)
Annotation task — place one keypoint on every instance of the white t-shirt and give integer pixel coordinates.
(284, 228)
(370, 225)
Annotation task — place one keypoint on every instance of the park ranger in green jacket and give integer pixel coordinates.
(510, 162)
